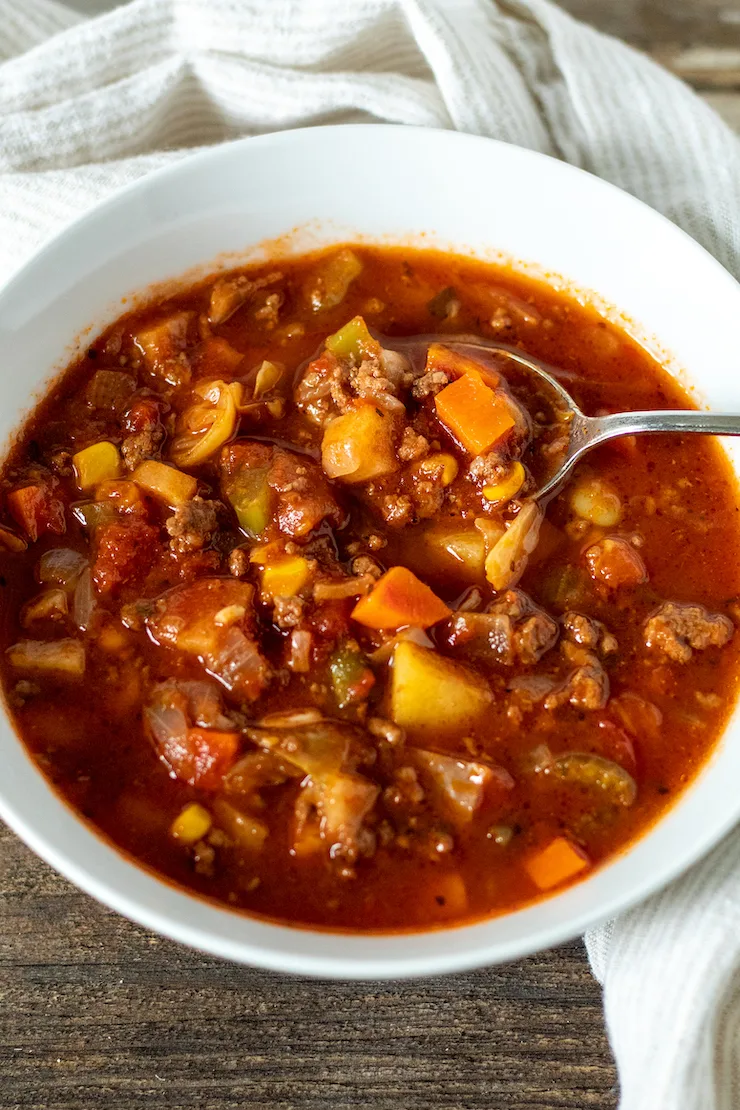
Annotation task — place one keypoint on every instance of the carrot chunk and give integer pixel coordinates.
(475, 415)
(559, 861)
(399, 599)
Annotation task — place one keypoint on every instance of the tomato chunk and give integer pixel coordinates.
(36, 511)
(125, 552)
(202, 756)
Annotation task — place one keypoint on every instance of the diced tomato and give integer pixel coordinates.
(613, 743)
(614, 562)
(201, 757)
(36, 511)
(641, 718)
(124, 552)
(143, 415)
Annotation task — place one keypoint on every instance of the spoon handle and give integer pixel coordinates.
(602, 428)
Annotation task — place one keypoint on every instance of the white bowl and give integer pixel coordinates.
(384, 184)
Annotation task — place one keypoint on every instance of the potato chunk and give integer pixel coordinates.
(358, 446)
(430, 692)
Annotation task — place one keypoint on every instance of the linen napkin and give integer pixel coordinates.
(88, 105)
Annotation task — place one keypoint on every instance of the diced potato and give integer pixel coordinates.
(358, 446)
(455, 547)
(53, 658)
(286, 576)
(124, 495)
(192, 824)
(246, 831)
(207, 425)
(162, 342)
(50, 605)
(430, 692)
(508, 488)
(595, 501)
(505, 561)
(98, 463)
(164, 482)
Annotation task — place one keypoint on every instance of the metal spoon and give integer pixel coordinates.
(590, 431)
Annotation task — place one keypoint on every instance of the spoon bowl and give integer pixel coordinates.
(587, 432)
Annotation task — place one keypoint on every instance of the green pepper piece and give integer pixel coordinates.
(352, 341)
(249, 495)
(351, 678)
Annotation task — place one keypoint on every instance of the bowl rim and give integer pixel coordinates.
(142, 905)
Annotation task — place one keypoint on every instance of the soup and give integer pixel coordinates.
(285, 622)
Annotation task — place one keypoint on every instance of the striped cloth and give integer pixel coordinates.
(88, 105)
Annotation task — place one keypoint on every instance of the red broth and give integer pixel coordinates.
(457, 737)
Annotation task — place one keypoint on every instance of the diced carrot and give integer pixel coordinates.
(399, 599)
(559, 861)
(452, 362)
(36, 510)
(475, 415)
(615, 562)
(202, 757)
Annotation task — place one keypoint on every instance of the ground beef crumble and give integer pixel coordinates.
(680, 630)
(192, 524)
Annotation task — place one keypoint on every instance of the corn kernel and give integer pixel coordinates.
(441, 461)
(192, 824)
(508, 487)
(286, 576)
(98, 463)
(112, 638)
(593, 500)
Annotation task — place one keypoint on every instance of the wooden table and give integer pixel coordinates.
(95, 1012)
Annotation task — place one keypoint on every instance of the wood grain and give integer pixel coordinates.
(96, 1012)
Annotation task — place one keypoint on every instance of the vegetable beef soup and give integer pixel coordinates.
(283, 620)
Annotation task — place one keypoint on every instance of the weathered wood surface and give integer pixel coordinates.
(96, 1012)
